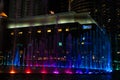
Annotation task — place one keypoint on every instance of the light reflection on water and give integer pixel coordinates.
(55, 77)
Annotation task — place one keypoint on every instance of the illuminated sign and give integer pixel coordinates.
(86, 26)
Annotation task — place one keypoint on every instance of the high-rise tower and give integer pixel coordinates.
(92, 6)
(26, 8)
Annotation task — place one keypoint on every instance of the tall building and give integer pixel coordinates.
(26, 8)
(82, 5)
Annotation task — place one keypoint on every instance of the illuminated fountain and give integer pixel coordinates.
(65, 47)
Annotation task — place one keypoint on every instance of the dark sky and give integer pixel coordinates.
(53, 5)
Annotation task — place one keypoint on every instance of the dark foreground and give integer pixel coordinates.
(112, 76)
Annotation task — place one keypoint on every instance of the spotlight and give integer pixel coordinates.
(43, 72)
(28, 71)
(12, 72)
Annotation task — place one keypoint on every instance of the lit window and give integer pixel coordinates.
(39, 31)
(82, 43)
(58, 58)
(93, 57)
(83, 38)
(118, 52)
(109, 20)
(48, 30)
(45, 58)
(20, 32)
(29, 32)
(67, 29)
(59, 30)
(60, 43)
(12, 33)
